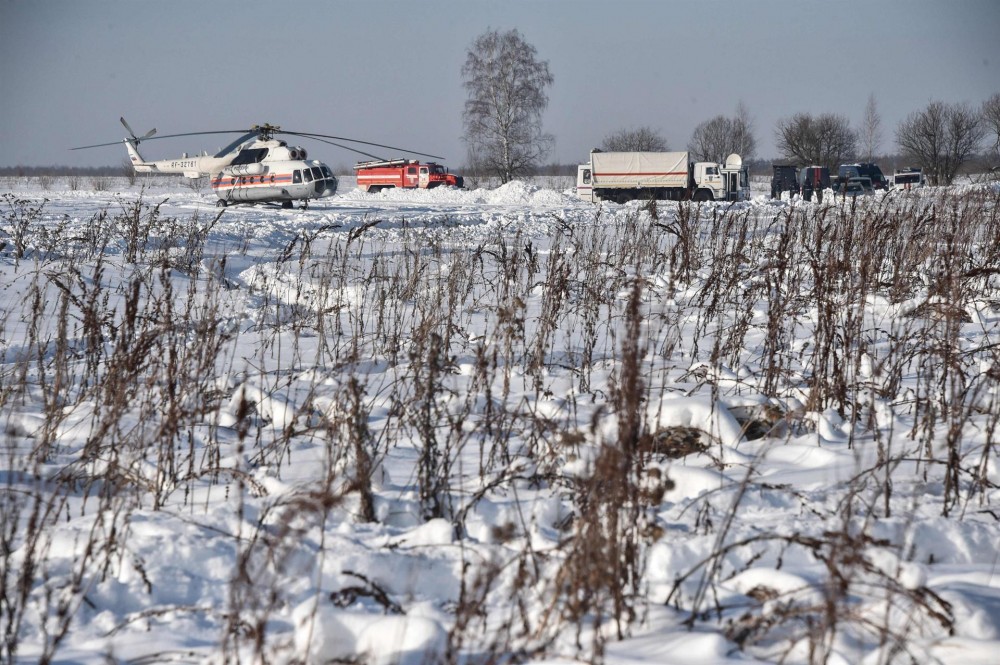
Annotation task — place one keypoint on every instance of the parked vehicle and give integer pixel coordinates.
(868, 170)
(853, 186)
(814, 179)
(627, 176)
(374, 176)
(908, 178)
(784, 179)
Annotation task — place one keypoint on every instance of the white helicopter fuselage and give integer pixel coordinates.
(257, 171)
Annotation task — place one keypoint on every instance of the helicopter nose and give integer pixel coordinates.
(327, 187)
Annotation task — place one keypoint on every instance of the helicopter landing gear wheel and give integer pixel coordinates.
(286, 205)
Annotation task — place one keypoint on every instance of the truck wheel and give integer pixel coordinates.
(702, 195)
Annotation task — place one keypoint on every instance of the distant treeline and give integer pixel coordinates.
(36, 171)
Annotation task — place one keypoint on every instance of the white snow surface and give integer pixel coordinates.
(186, 417)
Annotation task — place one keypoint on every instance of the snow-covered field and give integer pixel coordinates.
(498, 426)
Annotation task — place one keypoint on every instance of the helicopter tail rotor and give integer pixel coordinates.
(137, 139)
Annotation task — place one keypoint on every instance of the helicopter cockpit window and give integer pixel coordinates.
(250, 156)
(327, 173)
(306, 175)
(317, 174)
(296, 176)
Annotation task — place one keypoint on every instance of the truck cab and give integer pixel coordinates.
(721, 182)
(708, 183)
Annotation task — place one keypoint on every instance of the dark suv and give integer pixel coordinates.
(814, 179)
(864, 170)
(785, 179)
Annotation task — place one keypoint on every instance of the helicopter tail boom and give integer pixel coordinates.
(138, 163)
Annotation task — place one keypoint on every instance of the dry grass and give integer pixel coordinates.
(130, 325)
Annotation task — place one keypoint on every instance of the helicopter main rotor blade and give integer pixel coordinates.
(360, 152)
(99, 145)
(170, 136)
(344, 138)
(232, 146)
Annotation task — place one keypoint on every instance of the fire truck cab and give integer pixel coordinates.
(374, 176)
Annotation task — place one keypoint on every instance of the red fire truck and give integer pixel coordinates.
(374, 176)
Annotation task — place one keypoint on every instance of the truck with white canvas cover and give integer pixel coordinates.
(626, 176)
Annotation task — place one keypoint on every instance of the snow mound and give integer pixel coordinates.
(518, 192)
(324, 633)
(699, 412)
(514, 193)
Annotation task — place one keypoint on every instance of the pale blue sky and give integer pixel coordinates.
(390, 72)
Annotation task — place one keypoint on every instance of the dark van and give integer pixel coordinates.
(814, 179)
(863, 170)
(785, 179)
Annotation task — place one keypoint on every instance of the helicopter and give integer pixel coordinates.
(255, 168)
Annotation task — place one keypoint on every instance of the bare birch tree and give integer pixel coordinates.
(941, 138)
(506, 86)
(991, 120)
(871, 129)
(744, 140)
(715, 139)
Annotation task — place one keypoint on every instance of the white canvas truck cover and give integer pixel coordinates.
(639, 169)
